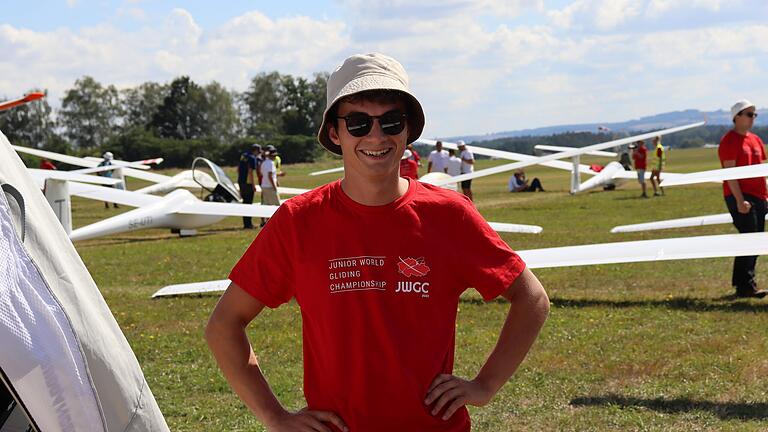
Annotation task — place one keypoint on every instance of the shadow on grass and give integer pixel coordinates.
(722, 304)
(723, 410)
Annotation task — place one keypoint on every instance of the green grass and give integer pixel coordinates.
(648, 346)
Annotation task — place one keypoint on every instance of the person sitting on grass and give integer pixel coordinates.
(518, 183)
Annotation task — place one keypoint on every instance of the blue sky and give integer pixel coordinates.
(477, 66)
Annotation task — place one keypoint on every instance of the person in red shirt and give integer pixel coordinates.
(47, 165)
(408, 167)
(414, 154)
(376, 279)
(745, 198)
(640, 157)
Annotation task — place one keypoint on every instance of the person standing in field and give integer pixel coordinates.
(467, 166)
(408, 166)
(438, 159)
(661, 159)
(376, 279)
(640, 157)
(454, 164)
(247, 174)
(745, 198)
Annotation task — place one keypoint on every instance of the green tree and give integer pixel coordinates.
(220, 113)
(140, 103)
(29, 125)
(182, 113)
(264, 103)
(90, 113)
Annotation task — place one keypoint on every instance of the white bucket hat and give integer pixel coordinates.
(740, 106)
(363, 72)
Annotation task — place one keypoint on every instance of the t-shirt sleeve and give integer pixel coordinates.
(265, 269)
(487, 263)
(727, 150)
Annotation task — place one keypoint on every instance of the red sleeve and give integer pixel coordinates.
(265, 269)
(727, 150)
(487, 264)
(762, 148)
(416, 156)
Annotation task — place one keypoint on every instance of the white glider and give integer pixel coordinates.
(613, 174)
(570, 153)
(718, 175)
(552, 148)
(722, 174)
(714, 246)
(163, 183)
(179, 211)
(328, 171)
(695, 221)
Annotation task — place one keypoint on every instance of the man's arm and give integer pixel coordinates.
(527, 312)
(741, 204)
(226, 337)
(272, 179)
(250, 176)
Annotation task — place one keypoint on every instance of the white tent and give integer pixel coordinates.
(64, 360)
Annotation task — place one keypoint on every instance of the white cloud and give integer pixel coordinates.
(604, 14)
(134, 13)
(471, 76)
(230, 54)
(658, 7)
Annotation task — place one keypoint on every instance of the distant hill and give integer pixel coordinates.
(658, 121)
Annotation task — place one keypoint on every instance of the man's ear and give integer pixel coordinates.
(333, 134)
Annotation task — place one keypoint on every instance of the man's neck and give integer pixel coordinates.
(374, 193)
(741, 131)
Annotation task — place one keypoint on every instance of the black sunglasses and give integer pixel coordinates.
(749, 114)
(359, 124)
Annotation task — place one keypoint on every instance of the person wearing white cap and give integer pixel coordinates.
(408, 167)
(376, 278)
(745, 198)
(107, 161)
(467, 166)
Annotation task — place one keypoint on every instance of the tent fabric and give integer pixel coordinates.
(79, 319)
(41, 356)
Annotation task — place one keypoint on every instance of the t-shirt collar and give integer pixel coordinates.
(413, 187)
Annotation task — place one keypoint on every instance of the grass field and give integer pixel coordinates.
(649, 346)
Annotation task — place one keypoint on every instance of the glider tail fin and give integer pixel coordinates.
(57, 194)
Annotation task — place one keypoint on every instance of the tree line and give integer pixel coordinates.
(178, 120)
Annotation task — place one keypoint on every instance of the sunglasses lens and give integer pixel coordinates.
(359, 124)
(392, 123)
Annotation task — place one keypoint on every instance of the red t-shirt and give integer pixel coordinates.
(378, 288)
(745, 150)
(409, 169)
(415, 156)
(47, 165)
(640, 155)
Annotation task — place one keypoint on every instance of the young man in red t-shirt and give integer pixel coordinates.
(640, 157)
(376, 279)
(745, 198)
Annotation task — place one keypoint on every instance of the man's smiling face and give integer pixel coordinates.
(377, 154)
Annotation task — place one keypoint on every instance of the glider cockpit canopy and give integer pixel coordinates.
(224, 191)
